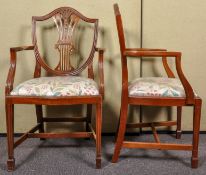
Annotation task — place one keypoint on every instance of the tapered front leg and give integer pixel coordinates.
(121, 131)
(10, 136)
(98, 134)
(179, 118)
(196, 129)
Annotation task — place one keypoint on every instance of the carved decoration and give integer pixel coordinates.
(66, 24)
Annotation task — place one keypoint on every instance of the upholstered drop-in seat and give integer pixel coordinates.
(57, 86)
(156, 86)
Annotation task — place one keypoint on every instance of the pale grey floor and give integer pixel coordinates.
(72, 156)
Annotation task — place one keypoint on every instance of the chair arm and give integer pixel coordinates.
(149, 53)
(21, 48)
(101, 70)
(12, 69)
(164, 59)
(144, 49)
(177, 55)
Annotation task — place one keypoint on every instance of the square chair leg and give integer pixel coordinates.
(98, 134)
(10, 136)
(196, 129)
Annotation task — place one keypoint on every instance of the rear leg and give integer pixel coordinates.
(179, 118)
(39, 114)
(89, 117)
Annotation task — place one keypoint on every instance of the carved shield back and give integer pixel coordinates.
(64, 41)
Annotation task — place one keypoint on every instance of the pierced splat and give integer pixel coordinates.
(66, 24)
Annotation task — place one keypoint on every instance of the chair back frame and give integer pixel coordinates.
(122, 44)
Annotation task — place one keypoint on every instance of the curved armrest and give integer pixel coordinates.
(101, 70)
(177, 55)
(12, 69)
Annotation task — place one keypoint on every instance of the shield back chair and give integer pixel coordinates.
(176, 92)
(63, 84)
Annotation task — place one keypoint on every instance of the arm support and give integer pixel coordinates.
(169, 72)
(101, 70)
(12, 69)
(187, 87)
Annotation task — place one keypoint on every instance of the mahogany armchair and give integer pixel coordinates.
(64, 86)
(155, 91)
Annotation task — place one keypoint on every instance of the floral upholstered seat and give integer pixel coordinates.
(156, 86)
(57, 86)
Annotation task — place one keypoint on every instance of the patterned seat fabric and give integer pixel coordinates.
(57, 86)
(156, 86)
